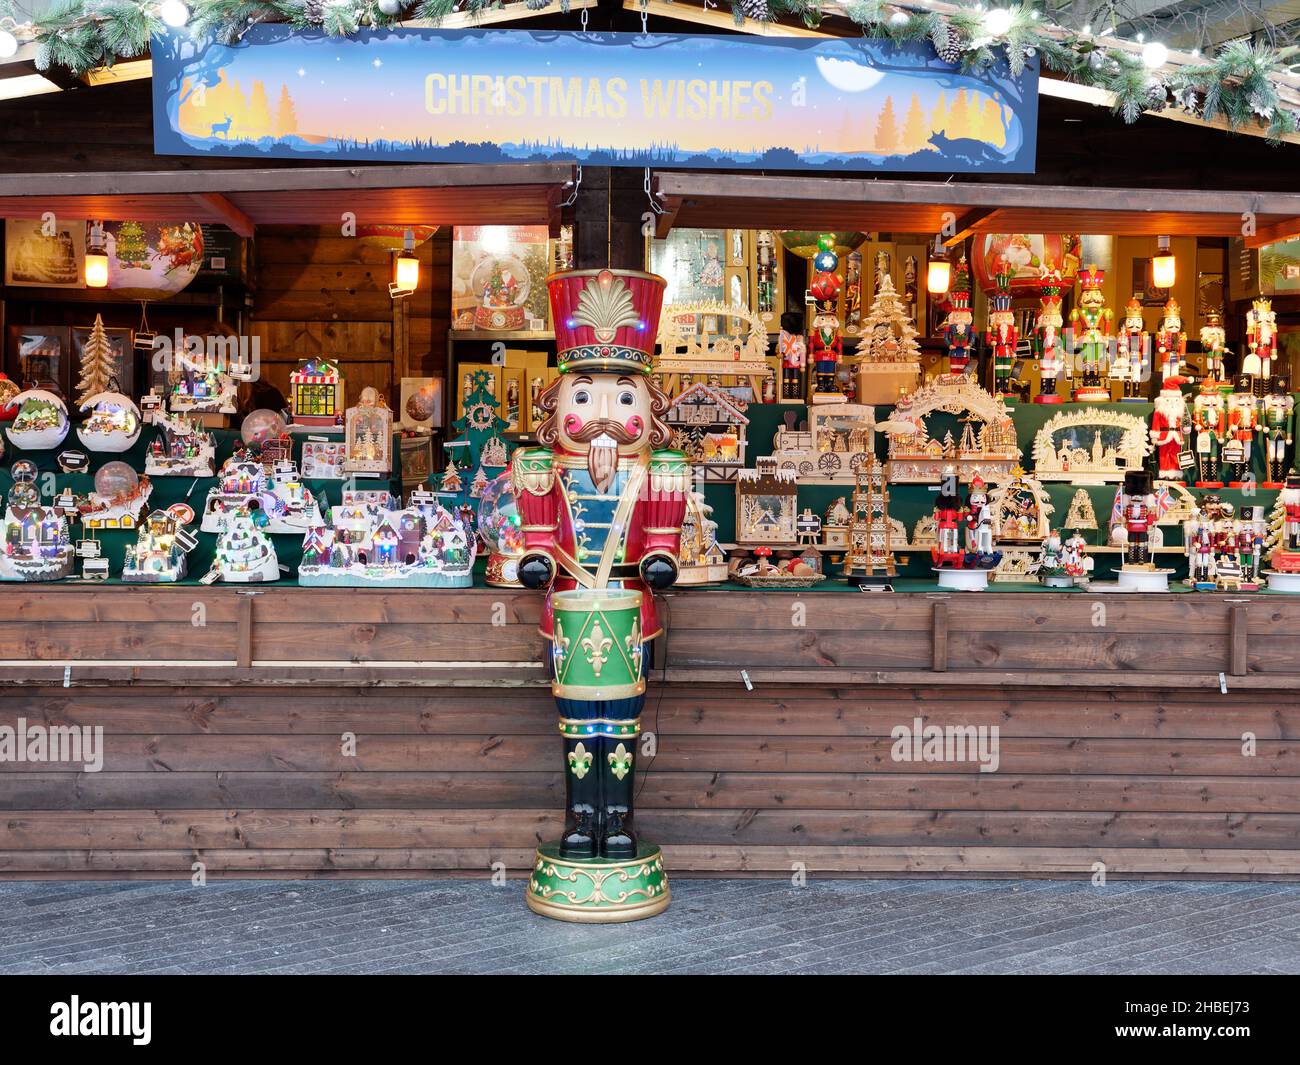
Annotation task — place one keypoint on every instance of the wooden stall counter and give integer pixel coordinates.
(317, 732)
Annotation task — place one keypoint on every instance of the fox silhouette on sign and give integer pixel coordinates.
(967, 149)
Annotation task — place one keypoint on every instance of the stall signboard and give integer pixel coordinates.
(613, 99)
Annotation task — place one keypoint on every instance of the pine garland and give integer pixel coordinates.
(1237, 85)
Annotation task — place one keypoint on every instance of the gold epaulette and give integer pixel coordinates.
(532, 470)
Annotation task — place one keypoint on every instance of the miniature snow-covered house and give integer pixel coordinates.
(158, 555)
(766, 500)
(245, 554)
(181, 449)
(114, 423)
(282, 504)
(709, 426)
(36, 545)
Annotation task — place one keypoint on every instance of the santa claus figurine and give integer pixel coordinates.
(1169, 429)
(1171, 342)
(1047, 344)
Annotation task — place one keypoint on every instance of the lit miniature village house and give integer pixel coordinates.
(316, 393)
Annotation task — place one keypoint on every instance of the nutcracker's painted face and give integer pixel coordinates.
(603, 415)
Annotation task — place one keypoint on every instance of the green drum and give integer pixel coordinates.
(597, 651)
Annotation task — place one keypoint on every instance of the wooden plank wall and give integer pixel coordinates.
(260, 782)
(321, 293)
(1106, 752)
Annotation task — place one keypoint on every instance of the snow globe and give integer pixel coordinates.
(114, 423)
(41, 422)
(501, 285)
(501, 528)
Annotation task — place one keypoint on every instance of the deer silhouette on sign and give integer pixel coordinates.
(224, 127)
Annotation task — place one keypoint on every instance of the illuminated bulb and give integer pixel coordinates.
(1155, 54)
(997, 21)
(174, 13)
(938, 277)
(1164, 267)
(8, 44)
(406, 267)
(96, 269)
(898, 18)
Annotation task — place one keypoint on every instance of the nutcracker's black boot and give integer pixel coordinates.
(582, 798)
(617, 837)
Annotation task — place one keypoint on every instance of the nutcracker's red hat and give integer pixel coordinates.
(605, 320)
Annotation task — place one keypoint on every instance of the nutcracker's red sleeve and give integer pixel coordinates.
(662, 506)
(532, 475)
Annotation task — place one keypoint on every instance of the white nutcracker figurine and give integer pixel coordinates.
(979, 526)
(1132, 363)
(1171, 342)
(1046, 342)
(1210, 426)
(1214, 339)
(1261, 338)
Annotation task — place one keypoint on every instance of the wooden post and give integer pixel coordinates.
(607, 215)
(1237, 630)
(940, 637)
(244, 630)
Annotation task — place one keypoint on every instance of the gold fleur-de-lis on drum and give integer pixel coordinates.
(633, 644)
(579, 761)
(561, 643)
(597, 646)
(620, 761)
(605, 304)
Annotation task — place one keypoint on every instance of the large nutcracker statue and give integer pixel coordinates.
(602, 507)
(1261, 338)
(1171, 342)
(1210, 426)
(958, 327)
(1214, 340)
(1132, 352)
(1278, 408)
(1048, 346)
(1001, 335)
(1169, 430)
(1091, 321)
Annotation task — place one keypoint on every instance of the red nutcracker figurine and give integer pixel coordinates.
(1048, 347)
(792, 348)
(1002, 335)
(1169, 425)
(826, 340)
(1138, 514)
(1210, 422)
(1243, 424)
(1261, 337)
(958, 330)
(949, 517)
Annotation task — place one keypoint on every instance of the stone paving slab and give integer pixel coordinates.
(720, 926)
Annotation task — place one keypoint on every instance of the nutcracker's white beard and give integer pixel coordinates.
(602, 463)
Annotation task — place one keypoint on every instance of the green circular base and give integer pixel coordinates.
(598, 890)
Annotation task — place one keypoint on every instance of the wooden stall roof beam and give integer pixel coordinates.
(523, 194)
(810, 202)
(967, 223)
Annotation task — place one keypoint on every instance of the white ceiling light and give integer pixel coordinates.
(1155, 54)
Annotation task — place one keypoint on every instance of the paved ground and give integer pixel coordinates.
(728, 926)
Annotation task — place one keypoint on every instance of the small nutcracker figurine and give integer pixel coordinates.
(602, 503)
(1169, 424)
(1210, 426)
(1001, 335)
(1243, 424)
(1261, 338)
(1214, 339)
(949, 515)
(958, 329)
(1050, 563)
(826, 339)
(979, 527)
(1132, 363)
(1171, 341)
(1137, 515)
(1198, 542)
(1250, 545)
(1278, 407)
(1091, 321)
(1048, 346)
(1289, 498)
(792, 347)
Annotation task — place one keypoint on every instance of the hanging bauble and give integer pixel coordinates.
(390, 7)
(152, 260)
(114, 423)
(806, 243)
(41, 422)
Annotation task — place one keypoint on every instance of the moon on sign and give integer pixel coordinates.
(848, 76)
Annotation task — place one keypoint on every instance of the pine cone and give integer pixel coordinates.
(314, 11)
(756, 10)
(1157, 97)
(947, 43)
